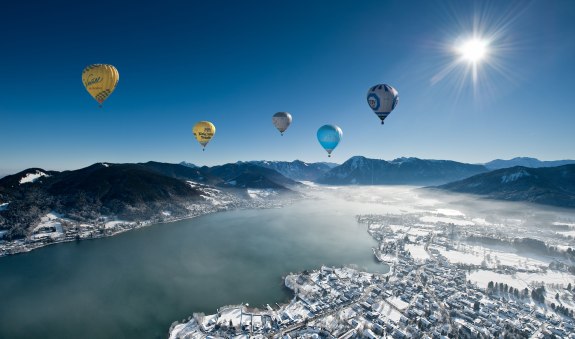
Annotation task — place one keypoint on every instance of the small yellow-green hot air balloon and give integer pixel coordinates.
(100, 81)
(204, 132)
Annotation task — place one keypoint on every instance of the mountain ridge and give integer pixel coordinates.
(359, 170)
(526, 162)
(553, 186)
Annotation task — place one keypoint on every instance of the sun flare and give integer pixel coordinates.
(473, 50)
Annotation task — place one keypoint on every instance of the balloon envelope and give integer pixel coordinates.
(100, 80)
(204, 132)
(382, 99)
(281, 121)
(329, 136)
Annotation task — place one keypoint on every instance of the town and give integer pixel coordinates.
(424, 295)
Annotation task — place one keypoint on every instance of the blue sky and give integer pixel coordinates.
(236, 63)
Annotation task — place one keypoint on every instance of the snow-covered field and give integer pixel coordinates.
(457, 257)
(521, 280)
(49, 227)
(477, 255)
(231, 314)
(400, 304)
(387, 311)
(567, 233)
(417, 252)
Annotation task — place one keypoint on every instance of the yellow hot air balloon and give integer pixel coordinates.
(204, 132)
(100, 81)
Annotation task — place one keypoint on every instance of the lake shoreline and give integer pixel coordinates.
(20, 246)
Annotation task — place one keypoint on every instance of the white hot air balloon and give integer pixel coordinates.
(382, 99)
(281, 121)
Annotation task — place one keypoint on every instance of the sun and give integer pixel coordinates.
(473, 51)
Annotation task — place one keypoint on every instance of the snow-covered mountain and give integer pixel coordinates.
(359, 170)
(525, 162)
(132, 192)
(297, 170)
(546, 185)
(188, 164)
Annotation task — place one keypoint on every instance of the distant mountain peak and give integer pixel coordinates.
(296, 170)
(525, 162)
(188, 164)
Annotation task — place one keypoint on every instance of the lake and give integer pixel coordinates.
(134, 285)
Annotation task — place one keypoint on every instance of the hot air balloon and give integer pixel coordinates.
(281, 121)
(204, 132)
(328, 137)
(100, 81)
(382, 99)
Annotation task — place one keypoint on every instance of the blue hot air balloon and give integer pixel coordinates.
(328, 137)
(382, 99)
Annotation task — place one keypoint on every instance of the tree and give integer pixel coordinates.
(476, 306)
(569, 287)
(490, 285)
(556, 296)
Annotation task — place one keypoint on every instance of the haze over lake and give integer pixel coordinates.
(136, 284)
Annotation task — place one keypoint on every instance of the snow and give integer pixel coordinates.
(261, 193)
(558, 223)
(417, 251)
(520, 280)
(567, 233)
(512, 177)
(457, 257)
(53, 216)
(4, 206)
(233, 314)
(32, 177)
(398, 228)
(48, 221)
(232, 182)
(478, 255)
(105, 165)
(481, 221)
(400, 304)
(166, 213)
(387, 311)
(416, 232)
(449, 212)
(112, 224)
(433, 220)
